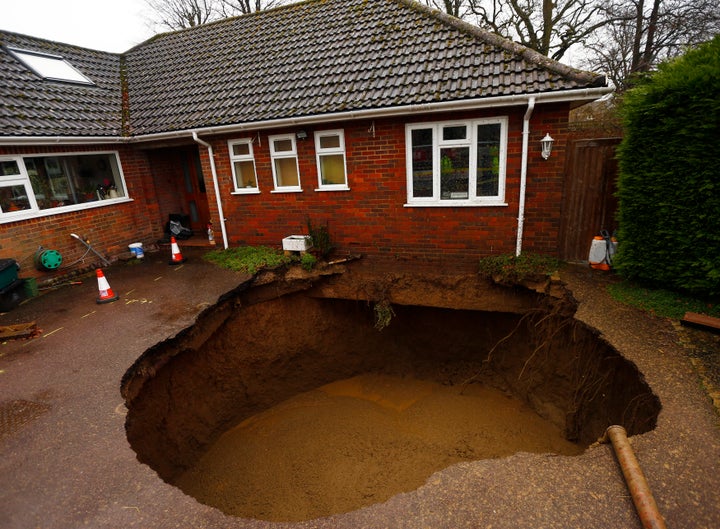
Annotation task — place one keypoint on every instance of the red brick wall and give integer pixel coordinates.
(543, 200)
(372, 218)
(108, 228)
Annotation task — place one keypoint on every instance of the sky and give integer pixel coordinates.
(107, 25)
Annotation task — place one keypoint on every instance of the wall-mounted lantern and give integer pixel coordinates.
(547, 143)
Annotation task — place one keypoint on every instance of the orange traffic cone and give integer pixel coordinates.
(177, 257)
(106, 294)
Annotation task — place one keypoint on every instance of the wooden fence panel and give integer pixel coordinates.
(589, 203)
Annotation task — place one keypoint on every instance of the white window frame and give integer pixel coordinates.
(274, 155)
(470, 142)
(250, 157)
(20, 179)
(330, 151)
(24, 179)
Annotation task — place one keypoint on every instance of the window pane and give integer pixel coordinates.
(422, 163)
(283, 145)
(330, 142)
(9, 168)
(13, 198)
(332, 169)
(286, 171)
(241, 149)
(457, 132)
(49, 182)
(488, 160)
(65, 180)
(51, 66)
(454, 173)
(245, 174)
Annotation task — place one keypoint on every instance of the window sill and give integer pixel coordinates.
(338, 188)
(455, 204)
(253, 191)
(286, 191)
(34, 214)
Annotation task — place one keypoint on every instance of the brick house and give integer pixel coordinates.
(407, 132)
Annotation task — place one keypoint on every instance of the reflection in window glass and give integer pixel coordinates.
(9, 168)
(422, 162)
(241, 148)
(285, 145)
(488, 160)
(66, 180)
(43, 183)
(452, 163)
(455, 132)
(329, 141)
(13, 198)
(454, 173)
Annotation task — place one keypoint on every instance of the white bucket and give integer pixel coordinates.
(137, 250)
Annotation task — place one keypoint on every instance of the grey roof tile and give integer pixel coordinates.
(32, 106)
(311, 58)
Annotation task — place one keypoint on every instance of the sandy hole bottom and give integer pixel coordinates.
(360, 441)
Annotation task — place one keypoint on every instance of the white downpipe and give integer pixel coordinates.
(216, 186)
(523, 175)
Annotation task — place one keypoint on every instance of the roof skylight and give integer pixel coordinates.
(52, 67)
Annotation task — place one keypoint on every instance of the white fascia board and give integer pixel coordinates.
(62, 140)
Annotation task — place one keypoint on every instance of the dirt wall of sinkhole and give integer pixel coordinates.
(277, 336)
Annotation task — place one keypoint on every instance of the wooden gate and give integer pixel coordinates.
(589, 203)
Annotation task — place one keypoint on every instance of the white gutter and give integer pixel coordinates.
(63, 140)
(523, 174)
(216, 185)
(585, 94)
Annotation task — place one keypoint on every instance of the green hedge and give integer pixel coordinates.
(669, 175)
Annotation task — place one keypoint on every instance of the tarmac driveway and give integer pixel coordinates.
(65, 461)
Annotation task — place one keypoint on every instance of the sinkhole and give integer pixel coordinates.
(293, 399)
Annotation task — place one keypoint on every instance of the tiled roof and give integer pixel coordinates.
(307, 59)
(33, 106)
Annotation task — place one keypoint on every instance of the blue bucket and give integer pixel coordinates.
(137, 250)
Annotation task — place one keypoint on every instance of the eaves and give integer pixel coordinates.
(576, 95)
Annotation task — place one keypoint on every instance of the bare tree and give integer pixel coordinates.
(550, 27)
(547, 26)
(244, 7)
(619, 37)
(647, 32)
(457, 8)
(179, 14)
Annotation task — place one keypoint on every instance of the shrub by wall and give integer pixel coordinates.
(669, 182)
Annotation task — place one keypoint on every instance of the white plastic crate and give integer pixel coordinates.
(296, 243)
